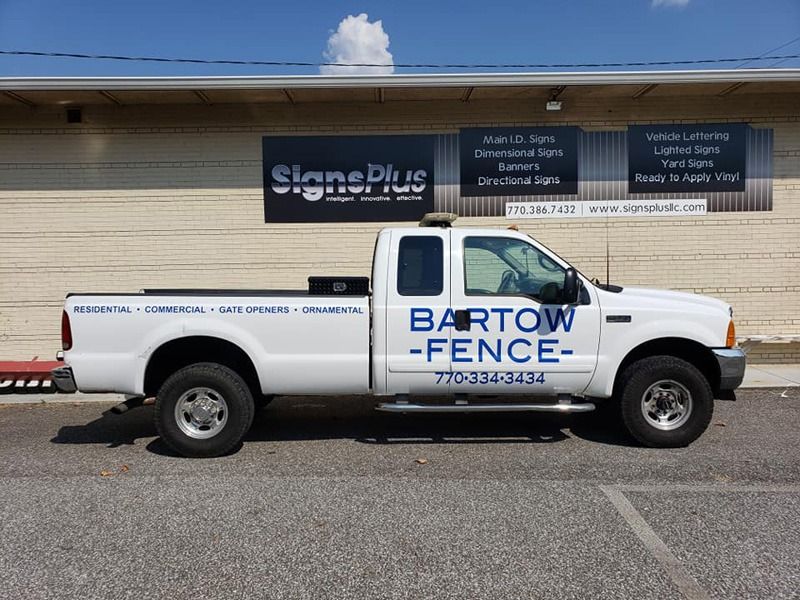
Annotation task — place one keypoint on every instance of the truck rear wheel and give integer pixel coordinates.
(203, 410)
(665, 402)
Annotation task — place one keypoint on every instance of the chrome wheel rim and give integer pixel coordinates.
(667, 404)
(201, 413)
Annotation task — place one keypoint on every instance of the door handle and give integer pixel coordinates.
(463, 320)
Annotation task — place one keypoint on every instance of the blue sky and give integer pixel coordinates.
(462, 31)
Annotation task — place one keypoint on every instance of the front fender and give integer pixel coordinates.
(616, 343)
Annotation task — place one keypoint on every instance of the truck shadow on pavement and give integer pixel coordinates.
(348, 418)
(110, 429)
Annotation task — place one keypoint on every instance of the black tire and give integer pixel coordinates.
(222, 381)
(638, 378)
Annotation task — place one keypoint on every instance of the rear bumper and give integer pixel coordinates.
(64, 380)
(731, 367)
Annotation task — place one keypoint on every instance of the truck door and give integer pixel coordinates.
(418, 348)
(518, 337)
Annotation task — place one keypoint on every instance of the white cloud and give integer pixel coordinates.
(669, 3)
(358, 41)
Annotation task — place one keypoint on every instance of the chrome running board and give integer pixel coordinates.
(561, 407)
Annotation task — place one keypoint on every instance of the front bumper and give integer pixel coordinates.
(731, 367)
(64, 380)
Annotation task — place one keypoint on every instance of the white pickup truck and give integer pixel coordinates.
(454, 313)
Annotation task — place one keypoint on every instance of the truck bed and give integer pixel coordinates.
(299, 343)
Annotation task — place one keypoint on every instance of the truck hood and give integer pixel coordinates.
(671, 297)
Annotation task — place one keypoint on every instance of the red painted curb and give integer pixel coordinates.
(38, 369)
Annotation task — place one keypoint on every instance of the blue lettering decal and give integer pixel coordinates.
(423, 316)
(460, 346)
(536, 323)
(566, 321)
(511, 346)
(110, 309)
(330, 310)
(448, 319)
(176, 309)
(545, 348)
(495, 353)
(433, 348)
(475, 319)
(502, 312)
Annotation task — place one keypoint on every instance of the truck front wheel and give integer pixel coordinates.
(203, 410)
(666, 402)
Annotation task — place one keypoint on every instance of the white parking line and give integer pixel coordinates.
(713, 488)
(687, 584)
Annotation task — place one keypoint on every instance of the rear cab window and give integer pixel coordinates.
(420, 266)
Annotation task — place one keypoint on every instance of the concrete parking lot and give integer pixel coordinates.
(328, 499)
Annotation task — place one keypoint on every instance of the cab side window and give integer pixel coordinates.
(509, 266)
(420, 266)
(483, 270)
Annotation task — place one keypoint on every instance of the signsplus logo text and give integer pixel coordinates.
(380, 178)
(348, 178)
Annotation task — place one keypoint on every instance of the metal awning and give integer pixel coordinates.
(466, 87)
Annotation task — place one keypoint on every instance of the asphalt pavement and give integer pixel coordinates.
(329, 499)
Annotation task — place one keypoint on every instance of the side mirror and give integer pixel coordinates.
(572, 287)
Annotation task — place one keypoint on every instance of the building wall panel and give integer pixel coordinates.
(172, 196)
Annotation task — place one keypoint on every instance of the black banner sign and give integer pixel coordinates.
(687, 158)
(518, 161)
(348, 178)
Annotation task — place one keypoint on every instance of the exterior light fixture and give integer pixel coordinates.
(553, 103)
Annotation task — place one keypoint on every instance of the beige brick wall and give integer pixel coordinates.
(171, 196)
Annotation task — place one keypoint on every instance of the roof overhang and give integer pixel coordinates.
(34, 92)
(400, 80)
